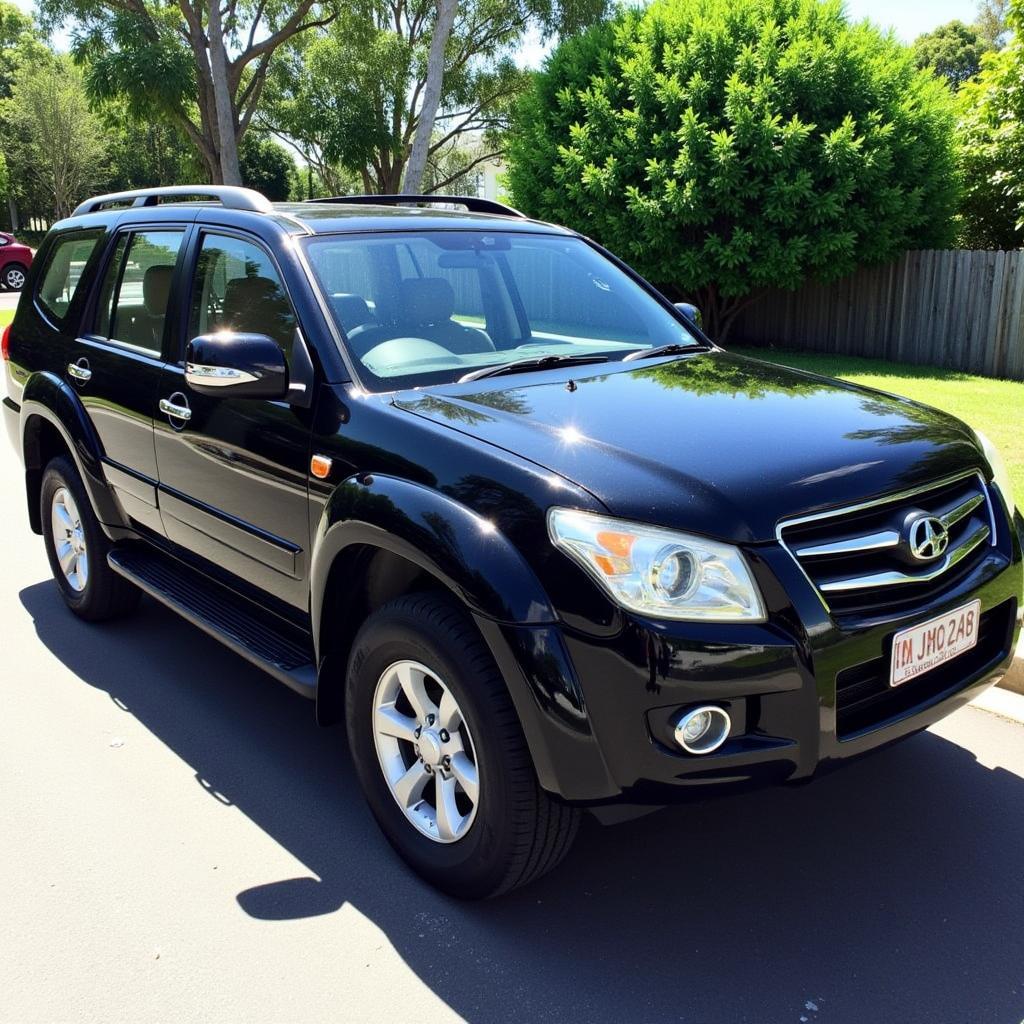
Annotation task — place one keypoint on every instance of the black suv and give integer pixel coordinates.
(468, 482)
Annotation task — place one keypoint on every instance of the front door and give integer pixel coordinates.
(116, 364)
(233, 471)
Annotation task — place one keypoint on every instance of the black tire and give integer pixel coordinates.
(105, 595)
(11, 269)
(519, 832)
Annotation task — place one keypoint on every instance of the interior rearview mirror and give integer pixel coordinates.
(242, 365)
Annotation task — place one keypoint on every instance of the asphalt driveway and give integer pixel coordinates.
(179, 842)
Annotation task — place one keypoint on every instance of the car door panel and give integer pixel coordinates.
(116, 367)
(233, 476)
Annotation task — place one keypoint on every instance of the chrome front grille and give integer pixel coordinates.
(861, 559)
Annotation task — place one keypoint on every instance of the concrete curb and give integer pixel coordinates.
(1014, 678)
(1001, 702)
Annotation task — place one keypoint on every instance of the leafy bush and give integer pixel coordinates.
(992, 140)
(726, 146)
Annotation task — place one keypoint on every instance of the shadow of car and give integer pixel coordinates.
(15, 259)
(890, 891)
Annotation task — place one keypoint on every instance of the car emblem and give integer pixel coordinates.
(927, 538)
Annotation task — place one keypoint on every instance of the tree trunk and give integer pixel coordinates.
(13, 210)
(226, 125)
(417, 164)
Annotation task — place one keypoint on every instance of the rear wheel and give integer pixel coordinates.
(13, 277)
(441, 756)
(77, 548)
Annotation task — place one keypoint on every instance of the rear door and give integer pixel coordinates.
(233, 474)
(115, 365)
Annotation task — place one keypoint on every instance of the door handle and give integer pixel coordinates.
(80, 371)
(175, 411)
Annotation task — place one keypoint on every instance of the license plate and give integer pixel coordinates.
(921, 648)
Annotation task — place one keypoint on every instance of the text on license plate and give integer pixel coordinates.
(921, 648)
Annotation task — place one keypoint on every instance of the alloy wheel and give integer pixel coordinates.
(15, 279)
(69, 539)
(425, 751)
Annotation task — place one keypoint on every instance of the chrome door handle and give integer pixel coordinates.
(79, 372)
(175, 411)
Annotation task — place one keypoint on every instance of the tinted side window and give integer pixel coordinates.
(62, 274)
(137, 287)
(237, 288)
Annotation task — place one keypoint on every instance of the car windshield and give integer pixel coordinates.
(432, 307)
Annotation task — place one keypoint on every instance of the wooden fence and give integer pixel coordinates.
(959, 309)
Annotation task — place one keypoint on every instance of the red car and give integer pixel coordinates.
(15, 259)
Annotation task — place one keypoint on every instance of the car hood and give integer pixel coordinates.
(712, 443)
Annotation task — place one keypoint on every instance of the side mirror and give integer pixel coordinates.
(691, 312)
(240, 365)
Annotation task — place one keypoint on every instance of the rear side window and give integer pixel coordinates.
(63, 273)
(133, 300)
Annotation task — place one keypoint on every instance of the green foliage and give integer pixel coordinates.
(953, 50)
(349, 97)
(267, 167)
(145, 152)
(56, 146)
(4, 178)
(17, 36)
(168, 62)
(726, 146)
(992, 147)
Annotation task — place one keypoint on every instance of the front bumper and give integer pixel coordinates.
(605, 702)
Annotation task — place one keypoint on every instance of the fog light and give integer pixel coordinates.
(703, 730)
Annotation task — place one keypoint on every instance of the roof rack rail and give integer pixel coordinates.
(472, 203)
(232, 197)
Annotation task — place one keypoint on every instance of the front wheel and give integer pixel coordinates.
(441, 756)
(77, 548)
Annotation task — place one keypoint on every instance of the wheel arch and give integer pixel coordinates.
(54, 422)
(380, 538)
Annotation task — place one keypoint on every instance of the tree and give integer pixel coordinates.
(351, 98)
(55, 144)
(200, 67)
(144, 154)
(992, 22)
(267, 167)
(952, 50)
(564, 16)
(992, 147)
(17, 33)
(728, 146)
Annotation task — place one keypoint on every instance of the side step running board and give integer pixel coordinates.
(219, 612)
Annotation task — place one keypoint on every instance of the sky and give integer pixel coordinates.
(908, 19)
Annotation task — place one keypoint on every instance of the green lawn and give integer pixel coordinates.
(995, 407)
(6, 316)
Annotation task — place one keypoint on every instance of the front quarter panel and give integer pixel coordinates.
(462, 549)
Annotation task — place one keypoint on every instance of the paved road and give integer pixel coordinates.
(179, 842)
(9, 300)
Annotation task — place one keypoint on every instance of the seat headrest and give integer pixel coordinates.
(426, 300)
(258, 305)
(156, 289)
(351, 311)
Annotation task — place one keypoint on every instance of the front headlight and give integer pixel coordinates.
(659, 572)
(999, 472)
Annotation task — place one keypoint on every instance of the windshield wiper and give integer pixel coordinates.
(533, 363)
(674, 349)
